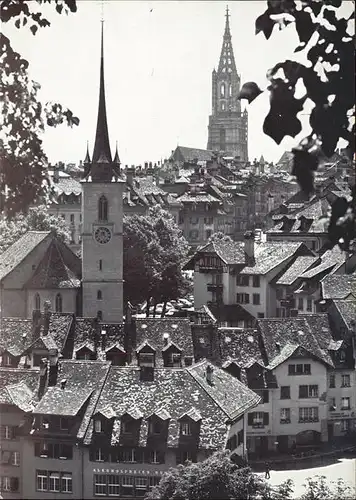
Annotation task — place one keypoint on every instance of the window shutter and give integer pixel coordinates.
(265, 418)
(250, 419)
(14, 483)
(303, 391)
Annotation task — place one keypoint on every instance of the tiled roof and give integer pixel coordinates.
(230, 252)
(294, 331)
(59, 268)
(333, 258)
(347, 309)
(299, 266)
(15, 335)
(270, 255)
(19, 250)
(19, 395)
(154, 331)
(240, 345)
(84, 381)
(85, 330)
(177, 392)
(338, 286)
(197, 198)
(190, 154)
(67, 186)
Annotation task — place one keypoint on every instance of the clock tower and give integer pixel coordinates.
(102, 223)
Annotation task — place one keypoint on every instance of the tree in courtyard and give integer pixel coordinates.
(218, 477)
(154, 250)
(36, 219)
(317, 487)
(220, 237)
(326, 37)
(23, 162)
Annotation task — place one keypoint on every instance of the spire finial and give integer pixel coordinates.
(227, 25)
(87, 156)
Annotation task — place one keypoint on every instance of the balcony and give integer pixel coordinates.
(215, 287)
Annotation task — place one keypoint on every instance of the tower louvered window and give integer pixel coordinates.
(103, 209)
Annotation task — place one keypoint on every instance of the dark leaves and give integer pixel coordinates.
(249, 91)
(265, 24)
(33, 28)
(304, 165)
(304, 26)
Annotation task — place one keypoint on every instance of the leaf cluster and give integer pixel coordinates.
(317, 487)
(327, 39)
(23, 162)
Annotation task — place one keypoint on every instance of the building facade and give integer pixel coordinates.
(228, 126)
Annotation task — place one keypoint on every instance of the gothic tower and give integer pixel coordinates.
(102, 223)
(227, 125)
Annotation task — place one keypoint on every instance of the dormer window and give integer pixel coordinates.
(175, 359)
(64, 424)
(103, 209)
(185, 428)
(98, 426)
(156, 426)
(147, 359)
(128, 426)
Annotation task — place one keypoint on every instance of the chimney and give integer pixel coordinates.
(249, 247)
(278, 347)
(56, 174)
(150, 165)
(46, 317)
(165, 338)
(63, 383)
(103, 339)
(36, 324)
(43, 378)
(130, 172)
(209, 374)
(53, 367)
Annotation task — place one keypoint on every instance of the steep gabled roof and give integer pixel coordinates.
(347, 310)
(59, 268)
(19, 395)
(19, 250)
(338, 286)
(270, 255)
(15, 335)
(299, 266)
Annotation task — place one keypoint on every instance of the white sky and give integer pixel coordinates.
(158, 61)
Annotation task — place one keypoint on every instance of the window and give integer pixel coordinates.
(72, 218)
(256, 299)
(208, 233)
(58, 303)
(264, 395)
(256, 281)
(174, 359)
(100, 484)
(345, 380)
(7, 432)
(127, 485)
(99, 457)
(258, 419)
(308, 414)
(222, 106)
(9, 483)
(54, 481)
(113, 485)
(242, 298)
(128, 426)
(308, 391)
(242, 280)
(230, 90)
(155, 457)
(64, 424)
(345, 403)
(309, 305)
(99, 295)
(100, 265)
(285, 416)
(222, 90)
(98, 426)
(332, 380)
(332, 404)
(103, 209)
(15, 458)
(300, 304)
(285, 392)
(99, 315)
(37, 302)
(128, 455)
(147, 359)
(299, 369)
(53, 450)
(345, 425)
(42, 481)
(185, 429)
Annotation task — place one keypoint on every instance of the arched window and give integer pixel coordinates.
(58, 303)
(222, 90)
(99, 315)
(230, 90)
(223, 106)
(99, 295)
(103, 209)
(37, 302)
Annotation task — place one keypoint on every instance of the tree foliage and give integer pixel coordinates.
(154, 249)
(219, 236)
(218, 477)
(326, 37)
(317, 487)
(23, 163)
(37, 219)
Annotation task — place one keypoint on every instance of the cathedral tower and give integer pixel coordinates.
(102, 223)
(227, 125)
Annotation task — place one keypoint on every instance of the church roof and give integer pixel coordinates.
(19, 250)
(59, 268)
(188, 155)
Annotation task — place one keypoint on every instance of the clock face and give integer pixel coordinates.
(102, 235)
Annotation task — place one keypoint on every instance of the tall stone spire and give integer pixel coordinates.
(102, 152)
(227, 60)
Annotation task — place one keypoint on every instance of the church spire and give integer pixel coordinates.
(227, 59)
(102, 153)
